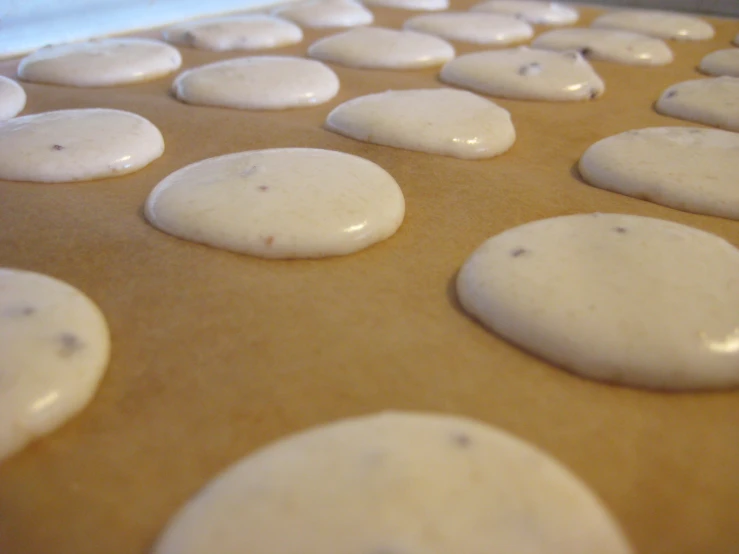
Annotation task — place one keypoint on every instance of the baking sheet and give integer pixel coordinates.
(215, 353)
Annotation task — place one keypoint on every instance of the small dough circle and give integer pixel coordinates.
(526, 74)
(618, 298)
(236, 32)
(713, 101)
(437, 121)
(533, 11)
(379, 48)
(607, 45)
(721, 62)
(76, 145)
(415, 5)
(258, 83)
(54, 349)
(378, 484)
(327, 14)
(655, 23)
(12, 98)
(280, 203)
(100, 63)
(474, 28)
(687, 168)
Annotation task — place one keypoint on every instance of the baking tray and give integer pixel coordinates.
(215, 353)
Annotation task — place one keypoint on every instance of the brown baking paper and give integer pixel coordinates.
(215, 354)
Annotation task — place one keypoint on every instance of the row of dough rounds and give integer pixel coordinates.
(579, 291)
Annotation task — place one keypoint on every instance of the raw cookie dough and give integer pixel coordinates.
(532, 11)
(687, 168)
(437, 121)
(474, 28)
(327, 14)
(721, 62)
(236, 32)
(419, 5)
(395, 483)
(526, 74)
(54, 348)
(617, 298)
(667, 25)
(378, 48)
(76, 145)
(258, 83)
(607, 45)
(713, 101)
(100, 63)
(12, 98)
(280, 203)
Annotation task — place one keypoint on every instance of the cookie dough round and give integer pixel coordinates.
(608, 45)
(436, 121)
(327, 14)
(474, 28)
(76, 145)
(687, 168)
(236, 32)
(100, 63)
(713, 101)
(416, 5)
(660, 24)
(54, 348)
(12, 98)
(258, 83)
(378, 484)
(280, 203)
(721, 62)
(616, 298)
(533, 11)
(379, 48)
(526, 74)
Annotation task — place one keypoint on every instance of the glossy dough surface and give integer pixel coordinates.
(617, 298)
(436, 121)
(54, 348)
(380, 483)
(280, 203)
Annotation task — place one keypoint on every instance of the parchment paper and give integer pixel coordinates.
(216, 354)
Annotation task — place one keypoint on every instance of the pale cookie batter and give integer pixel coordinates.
(281, 203)
(687, 168)
(607, 45)
(533, 11)
(418, 5)
(667, 25)
(619, 298)
(395, 483)
(258, 83)
(100, 63)
(54, 348)
(437, 121)
(378, 48)
(327, 14)
(713, 101)
(236, 32)
(76, 145)
(721, 62)
(474, 28)
(527, 74)
(12, 98)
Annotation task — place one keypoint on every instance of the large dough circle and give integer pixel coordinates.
(76, 145)
(618, 298)
(54, 348)
(280, 203)
(395, 483)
